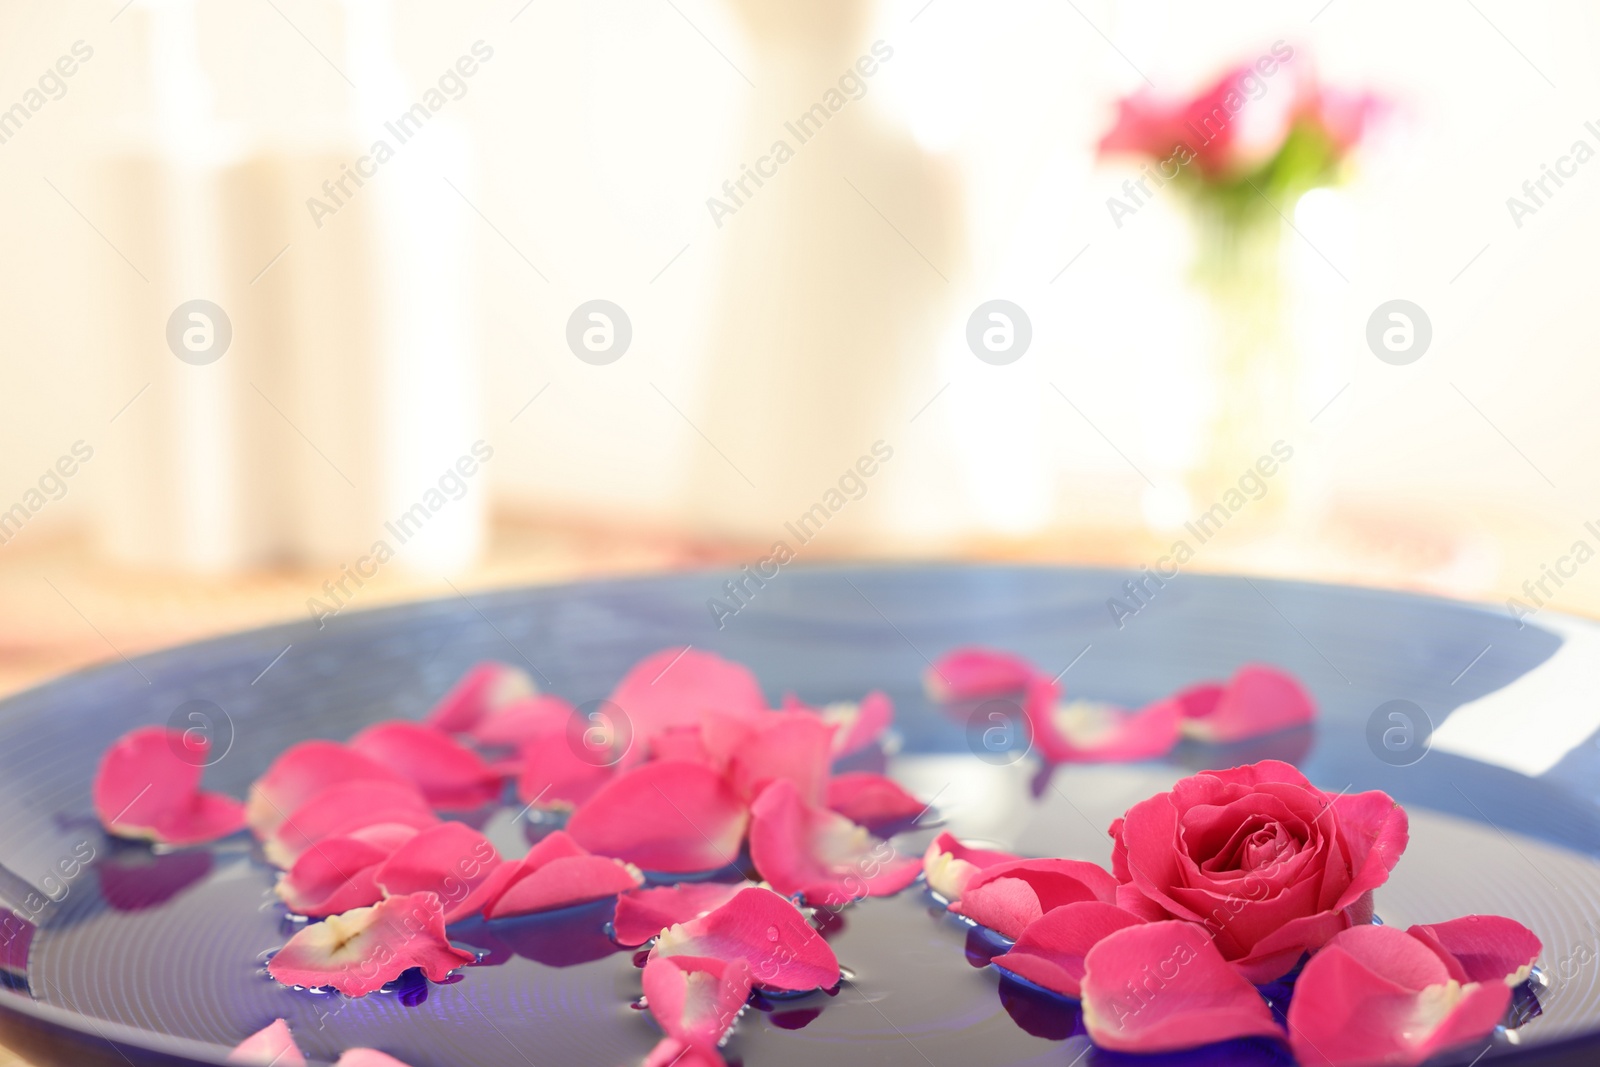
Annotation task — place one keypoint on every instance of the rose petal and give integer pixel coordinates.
(521, 721)
(450, 775)
(1257, 700)
(765, 931)
(696, 998)
(1488, 948)
(1277, 953)
(672, 687)
(554, 775)
(271, 1046)
(1375, 831)
(451, 860)
(1084, 731)
(790, 746)
(556, 873)
(872, 800)
(367, 1057)
(973, 672)
(1199, 700)
(858, 725)
(820, 855)
(1376, 995)
(484, 691)
(1051, 949)
(670, 816)
(643, 913)
(1160, 987)
(338, 873)
(303, 771)
(1006, 897)
(144, 789)
(363, 949)
(949, 865)
(209, 817)
(343, 809)
(670, 1052)
(682, 743)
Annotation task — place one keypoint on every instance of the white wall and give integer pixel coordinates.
(600, 128)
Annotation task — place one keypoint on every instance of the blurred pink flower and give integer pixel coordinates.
(1241, 122)
(1201, 129)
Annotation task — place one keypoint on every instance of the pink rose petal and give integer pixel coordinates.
(872, 800)
(271, 1046)
(554, 775)
(451, 860)
(522, 721)
(361, 950)
(338, 873)
(858, 725)
(343, 809)
(972, 673)
(1488, 948)
(556, 873)
(872, 718)
(682, 743)
(1375, 995)
(367, 1057)
(1375, 831)
(1007, 897)
(672, 687)
(670, 1052)
(1257, 700)
(300, 773)
(450, 775)
(696, 998)
(483, 692)
(1051, 950)
(671, 816)
(1161, 987)
(821, 855)
(791, 746)
(949, 865)
(1085, 731)
(643, 913)
(765, 931)
(144, 789)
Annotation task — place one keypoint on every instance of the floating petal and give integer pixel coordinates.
(671, 816)
(1161, 987)
(144, 789)
(764, 930)
(271, 1046)
(361, 950)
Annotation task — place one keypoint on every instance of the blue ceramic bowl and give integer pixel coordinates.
(143, 957)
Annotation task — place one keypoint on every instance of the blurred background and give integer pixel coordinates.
(313, 305)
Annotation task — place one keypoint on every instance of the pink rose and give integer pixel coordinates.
(1271, 865)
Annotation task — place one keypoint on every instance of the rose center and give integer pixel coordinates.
(1257, 844)
(1265, 847)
